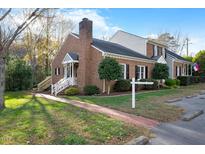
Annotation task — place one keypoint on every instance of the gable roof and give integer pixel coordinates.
(73, 55)
(176, 55)
(70, 57)
(121, 31)
(115, 48)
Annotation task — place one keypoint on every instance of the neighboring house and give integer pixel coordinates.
(152, 48)
(77, 61)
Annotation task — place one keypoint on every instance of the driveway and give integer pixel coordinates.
(183, 132)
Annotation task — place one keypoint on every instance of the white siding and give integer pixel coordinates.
(130, 41)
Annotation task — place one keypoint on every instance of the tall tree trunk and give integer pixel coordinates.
(2, 80)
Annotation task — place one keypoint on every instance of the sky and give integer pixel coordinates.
(146, 22)
(143, 22)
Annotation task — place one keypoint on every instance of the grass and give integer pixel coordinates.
(150, 104)
(33, 120)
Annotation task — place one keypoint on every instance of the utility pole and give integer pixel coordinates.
(187, 46)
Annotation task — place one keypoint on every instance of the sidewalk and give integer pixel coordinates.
(128, 118)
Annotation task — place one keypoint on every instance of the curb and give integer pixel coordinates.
(142, 140)
(174, 100)
(192, 115)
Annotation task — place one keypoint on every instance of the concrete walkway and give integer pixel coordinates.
(128, 118)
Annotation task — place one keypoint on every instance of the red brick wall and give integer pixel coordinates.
(150, 49)
(132, 65)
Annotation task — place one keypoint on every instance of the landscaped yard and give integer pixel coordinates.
(32, 120)
(150, 104)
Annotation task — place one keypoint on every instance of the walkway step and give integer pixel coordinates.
(192, 115)
(126, 117)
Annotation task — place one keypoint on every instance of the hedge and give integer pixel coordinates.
(150, 87)
(72, 91)
(122, 85)
(91, 90)
(170, 82)
(187, 80)
(184, 80)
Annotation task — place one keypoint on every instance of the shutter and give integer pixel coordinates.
(127, 71)
(176, 71)
(59, 72)
(55, 71)
(136, 69)
(146, 72)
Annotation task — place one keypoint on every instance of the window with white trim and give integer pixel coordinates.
(123, 66)
(140, 72)
(57, 71)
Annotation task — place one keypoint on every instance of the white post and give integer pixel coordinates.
(65, 71)
(133, 93)
(191, 69)
(72, 70)
(52, 89)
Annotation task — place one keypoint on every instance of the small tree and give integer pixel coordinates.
(200, 59)
(18, 75)
(109, 69)
(160, 71)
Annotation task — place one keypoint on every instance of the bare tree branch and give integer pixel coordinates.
(5, 14)
(35, 14)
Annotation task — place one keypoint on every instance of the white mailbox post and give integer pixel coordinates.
(133, 89)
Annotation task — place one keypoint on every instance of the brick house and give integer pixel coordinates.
(152, 48)
(77, 61)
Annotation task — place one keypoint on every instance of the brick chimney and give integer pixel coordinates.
(85, 34)
(86, 30)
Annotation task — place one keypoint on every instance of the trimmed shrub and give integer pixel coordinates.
(72, 91)
(171, 82)
(202, 78)
(160, 71)
(122, 85)
(150, 87)
(184, 80)
(194, 79)
(91, 90)
(177, 82)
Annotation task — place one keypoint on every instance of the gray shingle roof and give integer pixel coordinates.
(155, 57)
(115, 48)
(73, 55)
(176, 55)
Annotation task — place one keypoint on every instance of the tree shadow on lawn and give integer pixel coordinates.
(31, 123)
(56, 129)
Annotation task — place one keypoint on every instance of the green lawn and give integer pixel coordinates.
(31, 120)
(150, 105)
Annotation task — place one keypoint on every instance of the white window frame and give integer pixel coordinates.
(155, 50)
(56, 70)
(144, 75)
(125, 70)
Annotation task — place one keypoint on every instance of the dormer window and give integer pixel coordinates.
(159, 51)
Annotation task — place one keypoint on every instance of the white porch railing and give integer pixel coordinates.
(62, 84)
